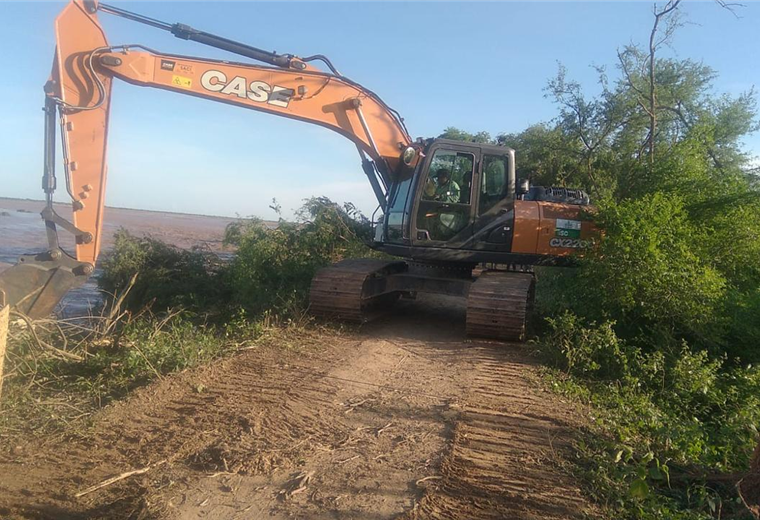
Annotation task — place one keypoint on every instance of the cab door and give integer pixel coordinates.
(445, 211)
(493, 228)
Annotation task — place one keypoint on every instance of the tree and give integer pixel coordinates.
(544, 156)
(588, 127)
(456, 134)
(670, 91)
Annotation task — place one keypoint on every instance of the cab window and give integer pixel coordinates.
(445, 205)
(494, 184)
(398, 211)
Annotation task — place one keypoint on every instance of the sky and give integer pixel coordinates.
(476, 66)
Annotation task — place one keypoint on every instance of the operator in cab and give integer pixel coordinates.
(444, 189)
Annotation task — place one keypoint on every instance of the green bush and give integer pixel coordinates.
(273, 268)
(586, 351)
(665, 420)
(659, 338)
(645, 274)
(147, 348)
(166, 276)
(270, 272)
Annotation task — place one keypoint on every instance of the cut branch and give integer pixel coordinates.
(117, 478)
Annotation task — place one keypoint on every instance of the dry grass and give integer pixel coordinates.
(61, 371)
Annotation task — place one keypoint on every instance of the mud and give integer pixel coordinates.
(404, 418)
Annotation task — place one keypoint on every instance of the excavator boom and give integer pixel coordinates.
(78, 101)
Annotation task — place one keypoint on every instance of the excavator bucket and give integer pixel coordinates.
(36, 284)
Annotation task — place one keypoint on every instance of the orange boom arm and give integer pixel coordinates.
(79, 95)
(312, 96)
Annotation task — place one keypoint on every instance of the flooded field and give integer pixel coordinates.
(22, 231)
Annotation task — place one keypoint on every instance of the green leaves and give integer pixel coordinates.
(592, 351)
(168, 277)
(639, 488)
(270, 271)
(272, 268)
(647, 271)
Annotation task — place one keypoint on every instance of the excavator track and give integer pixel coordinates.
(348, 290)
(498, 305)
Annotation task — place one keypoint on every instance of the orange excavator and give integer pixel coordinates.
(449, 208)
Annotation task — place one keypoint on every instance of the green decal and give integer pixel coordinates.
(567, 233)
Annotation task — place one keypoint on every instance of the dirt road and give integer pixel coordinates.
(404, 418)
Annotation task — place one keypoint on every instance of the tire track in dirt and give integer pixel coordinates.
(390, 409)
(502, 462)
(230, 416)
(214, 421)
(405, 417)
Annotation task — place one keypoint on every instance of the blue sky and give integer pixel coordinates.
(477, 66)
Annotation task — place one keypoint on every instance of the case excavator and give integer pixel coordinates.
(453, 214)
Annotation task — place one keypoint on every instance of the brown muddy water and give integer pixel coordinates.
(22, 231)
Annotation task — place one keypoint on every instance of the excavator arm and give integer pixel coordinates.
(78, 96)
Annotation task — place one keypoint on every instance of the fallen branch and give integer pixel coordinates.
(115, 314)
(354, 406)
(117, 478)
(381, 430)
(749, 486)
(42, 344)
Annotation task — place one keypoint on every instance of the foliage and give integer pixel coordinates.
(647, 275)
(270, 271)
(659, 336)
(173, 309)
(146, 348)
(542, 157)
(460, 135)
(65, 370)
(167, 276)
(657, 328)
(587, 351)
(273, 268)
(667, 421)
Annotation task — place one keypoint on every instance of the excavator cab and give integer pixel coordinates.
(484, 176)
(472, 212)
(479, 216)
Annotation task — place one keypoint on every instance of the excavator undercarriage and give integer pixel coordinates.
(498, 301)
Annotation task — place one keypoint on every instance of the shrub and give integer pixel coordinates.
(167, 276)
(273, 268)
(270, 272)
(149, 347)
(665, 420)
(586, 351)
(645, 275)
